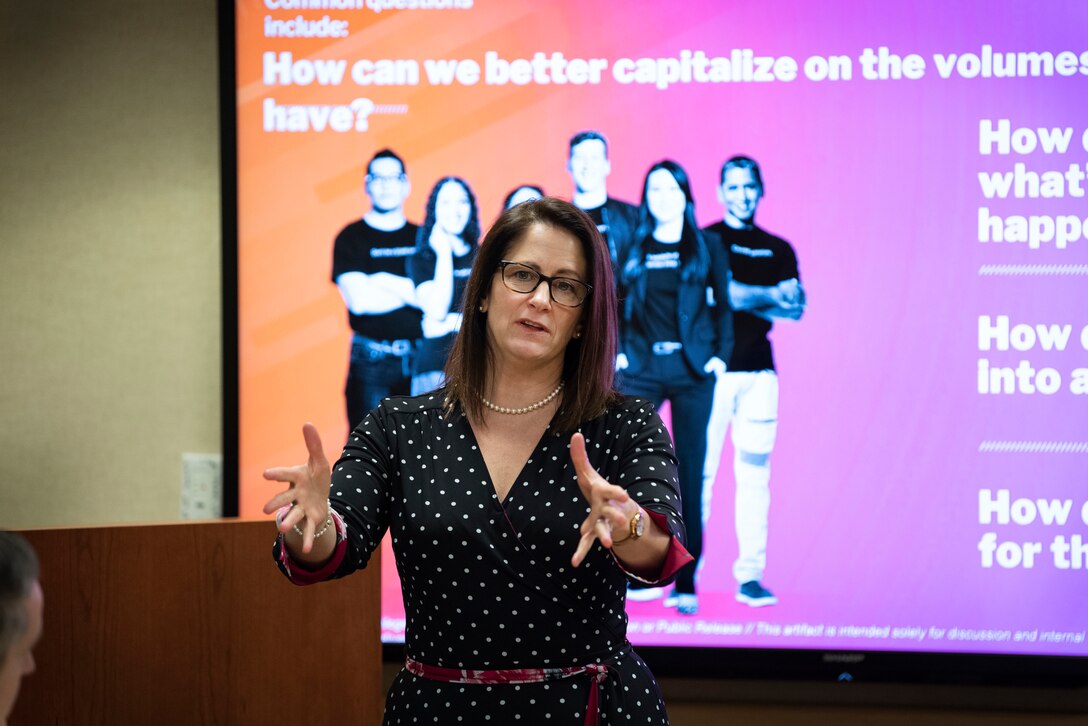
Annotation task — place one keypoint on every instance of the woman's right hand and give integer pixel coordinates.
(307, 492)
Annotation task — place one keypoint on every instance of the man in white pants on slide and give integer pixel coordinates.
(766, 286)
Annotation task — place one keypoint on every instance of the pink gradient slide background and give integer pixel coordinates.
(884, 439)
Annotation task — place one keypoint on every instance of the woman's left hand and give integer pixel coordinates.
(609, 505)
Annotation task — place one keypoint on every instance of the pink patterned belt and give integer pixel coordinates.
(598, 671)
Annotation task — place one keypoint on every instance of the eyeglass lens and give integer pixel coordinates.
(563, 290)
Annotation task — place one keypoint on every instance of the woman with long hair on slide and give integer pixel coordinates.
(445, 250)
(676, 335)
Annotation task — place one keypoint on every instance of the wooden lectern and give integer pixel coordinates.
(192, 623)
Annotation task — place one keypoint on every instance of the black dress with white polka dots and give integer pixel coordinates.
(488, 584)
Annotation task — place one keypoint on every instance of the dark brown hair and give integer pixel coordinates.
(589, 362)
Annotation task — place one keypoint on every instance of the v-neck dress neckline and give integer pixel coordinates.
(549, 431)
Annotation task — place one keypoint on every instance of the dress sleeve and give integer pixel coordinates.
(359, 498)
(302, 573)
(647, 470)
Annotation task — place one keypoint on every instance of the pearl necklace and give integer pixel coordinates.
(525, 409)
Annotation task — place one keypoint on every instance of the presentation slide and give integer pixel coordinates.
(924, 163)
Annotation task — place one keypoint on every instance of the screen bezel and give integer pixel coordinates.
(228, 180)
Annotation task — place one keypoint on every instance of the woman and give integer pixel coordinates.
(524, 193)
(673, 343)
(520, 498)
(445, 249)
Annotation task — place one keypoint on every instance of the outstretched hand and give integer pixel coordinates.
(608, 504)
(307, 491)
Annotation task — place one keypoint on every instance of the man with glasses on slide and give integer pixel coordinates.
(370, 269)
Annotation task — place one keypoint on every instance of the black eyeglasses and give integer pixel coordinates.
(524, 279)
(390, 179)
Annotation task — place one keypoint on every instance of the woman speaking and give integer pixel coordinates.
(521, 497)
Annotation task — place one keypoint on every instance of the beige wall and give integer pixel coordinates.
(109, 262)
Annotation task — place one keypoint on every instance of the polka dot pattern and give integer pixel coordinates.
(488, 584)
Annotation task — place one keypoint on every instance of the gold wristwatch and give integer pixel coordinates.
(636, 527)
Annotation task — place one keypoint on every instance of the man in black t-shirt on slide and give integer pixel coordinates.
(369, 267)
(766, 286)
(589, 167)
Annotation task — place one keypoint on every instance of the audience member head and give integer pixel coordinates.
(21, 605)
